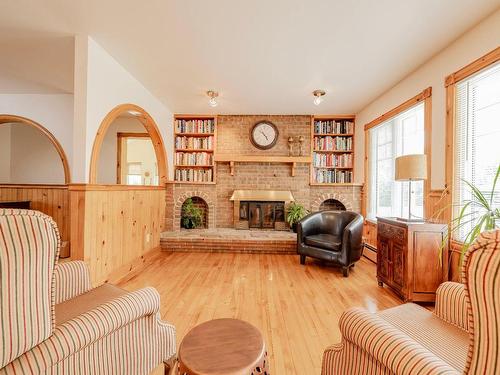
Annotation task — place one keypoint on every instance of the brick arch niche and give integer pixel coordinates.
(331, 201)
(200, 199)
(332, 204)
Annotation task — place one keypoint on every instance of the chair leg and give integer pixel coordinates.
(302, 259)
(345, 271)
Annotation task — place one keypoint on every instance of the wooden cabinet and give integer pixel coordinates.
(408, 258)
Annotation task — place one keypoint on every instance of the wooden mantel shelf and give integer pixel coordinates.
(233, 159)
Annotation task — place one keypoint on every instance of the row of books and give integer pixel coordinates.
(195, 126)
(194, 175)
(334, 127)
(205, 143)
(333, 143)
(193, 158)
(330, 176)
(332, 160)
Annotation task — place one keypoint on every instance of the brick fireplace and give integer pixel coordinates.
(233, 139)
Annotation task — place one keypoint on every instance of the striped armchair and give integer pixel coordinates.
(461, 336)
(52, 322)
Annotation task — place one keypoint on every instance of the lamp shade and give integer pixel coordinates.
(411, 167)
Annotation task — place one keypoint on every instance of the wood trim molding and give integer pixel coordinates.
(35, 186)
(100, 187)
(151, 128)
(474, 67)
(426, 97)
(400, 108)
(6, 118)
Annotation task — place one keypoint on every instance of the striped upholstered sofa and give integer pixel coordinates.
(462, 335)
(52, 322)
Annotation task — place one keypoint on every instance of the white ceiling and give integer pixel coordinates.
(263, 56)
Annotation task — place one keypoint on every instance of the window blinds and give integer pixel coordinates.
(477, 140)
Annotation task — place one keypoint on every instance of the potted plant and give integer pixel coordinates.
(479, 212)
(294, 213)
(191, 215)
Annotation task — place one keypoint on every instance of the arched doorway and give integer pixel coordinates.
(150, 127)
(14, 119)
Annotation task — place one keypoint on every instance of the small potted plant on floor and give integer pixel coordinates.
(191, 215)
(294, 213)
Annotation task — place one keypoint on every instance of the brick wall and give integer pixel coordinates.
(233, 138)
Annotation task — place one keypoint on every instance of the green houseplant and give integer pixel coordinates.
(191, 216)
(479, 212)
(294, 213)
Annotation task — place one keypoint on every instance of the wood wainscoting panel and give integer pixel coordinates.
(52, 200)
(121, 228)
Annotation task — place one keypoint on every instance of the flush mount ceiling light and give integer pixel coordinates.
(212, 102)
(318, 96)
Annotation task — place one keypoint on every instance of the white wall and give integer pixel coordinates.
(106, 173)
(108, 84)
(5, 153)
(475, 43)
(52, 111)
(34, 159)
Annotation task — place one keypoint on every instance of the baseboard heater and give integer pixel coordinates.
(370, 252)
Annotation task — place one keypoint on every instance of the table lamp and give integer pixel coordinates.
(411, 168)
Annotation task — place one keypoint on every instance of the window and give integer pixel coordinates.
(477, 139)
(134, 173)
(400, 135)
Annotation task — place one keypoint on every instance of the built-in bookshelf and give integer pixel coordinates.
(332, 149)
(195, 139)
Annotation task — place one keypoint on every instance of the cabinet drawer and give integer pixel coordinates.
(392, 232)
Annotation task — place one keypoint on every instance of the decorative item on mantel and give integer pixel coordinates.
(301, 144)
(290, 146)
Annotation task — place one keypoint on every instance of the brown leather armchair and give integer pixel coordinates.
(334, 236)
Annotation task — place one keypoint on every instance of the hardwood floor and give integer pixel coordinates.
(296, 307)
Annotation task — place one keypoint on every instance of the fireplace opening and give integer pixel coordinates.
(263, 215)
(199, 203)
(332, 204)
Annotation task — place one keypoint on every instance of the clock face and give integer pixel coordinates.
(264, 135)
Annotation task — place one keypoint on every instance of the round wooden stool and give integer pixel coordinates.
(223, 346)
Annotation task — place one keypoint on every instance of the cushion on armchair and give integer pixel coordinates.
(324, 241)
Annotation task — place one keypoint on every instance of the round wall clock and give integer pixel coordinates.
(264, 135)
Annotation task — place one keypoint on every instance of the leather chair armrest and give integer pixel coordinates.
(72, 279)
(451, 304)
(352, 238)
(308, 226)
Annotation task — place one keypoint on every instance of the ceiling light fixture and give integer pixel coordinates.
(318, 96)
(212, 102)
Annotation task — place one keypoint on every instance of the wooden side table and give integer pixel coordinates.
(223, 346)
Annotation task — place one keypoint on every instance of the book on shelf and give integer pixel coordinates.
(332, 160)
(329, 143)
(193, 175)
(333, 126)
(193, 158)
(332, 176)
(203, 126)
(198, 143)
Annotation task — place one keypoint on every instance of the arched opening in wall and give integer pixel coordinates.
(194, 213)
(30, 154)
(332, 204)
(128, 149)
